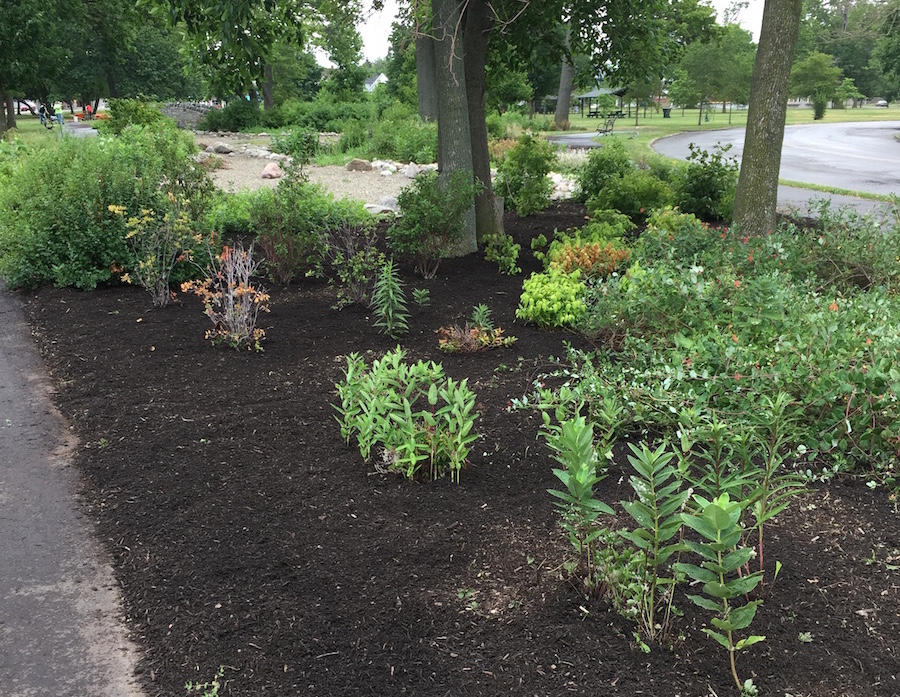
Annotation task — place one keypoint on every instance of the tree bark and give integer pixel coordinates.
(566, 82)
(479, 22)
(426, 79)
(757, 189)
(454, 135)
(268, 88)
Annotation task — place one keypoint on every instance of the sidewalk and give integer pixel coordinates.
(61, 633)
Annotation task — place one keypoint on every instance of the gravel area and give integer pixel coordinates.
(244, 172)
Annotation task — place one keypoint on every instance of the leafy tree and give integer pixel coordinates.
(816, 77)
(719, 70)
(31, 50)
(847, 90)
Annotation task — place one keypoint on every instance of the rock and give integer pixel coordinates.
(252, 151)
(271, 171)
(375, 209)
(387, 173)
(358, 165)
(389, 202)
(411, 171)
(277, 156)
(223, 149)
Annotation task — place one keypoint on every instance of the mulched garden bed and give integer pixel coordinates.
(246, 534)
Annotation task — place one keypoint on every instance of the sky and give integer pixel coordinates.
(376, 29)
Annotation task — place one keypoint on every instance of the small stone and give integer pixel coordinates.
(223, 149)
(358, 165)
(411, 171)
(271, 171)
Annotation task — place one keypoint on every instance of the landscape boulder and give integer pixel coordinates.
(271, 171)
(358, 165)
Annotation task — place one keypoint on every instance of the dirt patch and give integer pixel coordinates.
(247, 534)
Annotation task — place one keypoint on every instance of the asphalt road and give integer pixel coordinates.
(854, 156)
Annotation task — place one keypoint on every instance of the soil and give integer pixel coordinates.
(246, 534)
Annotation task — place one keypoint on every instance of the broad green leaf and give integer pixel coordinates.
(705, 603)
(749, 641)
(745, 584)
(719, 638)
(717, 590)
(741, 617)
(697, 573)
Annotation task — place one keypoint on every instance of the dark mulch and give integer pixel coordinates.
(246, 534)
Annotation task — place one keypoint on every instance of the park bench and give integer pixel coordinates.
(609, 122)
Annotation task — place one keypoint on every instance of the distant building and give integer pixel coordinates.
(374, 81)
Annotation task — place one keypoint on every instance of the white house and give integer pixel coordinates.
(374, 81)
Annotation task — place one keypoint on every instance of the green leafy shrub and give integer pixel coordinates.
(354, 135)
(230, 212)
(237, 115)
(422, 421)
(431, 221)
(552, 299)
(355, 259)
(325, 113)
(292, 221)
(56, 225)
(406, 139)
(706, 185)
(500, 247)
(157, 245)
(636, 194)
(593, 259)
(302, 144)
(130, 112)
(522, 176)
(603, 164)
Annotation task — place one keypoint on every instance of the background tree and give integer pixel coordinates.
(847, 90)
(816, 77)
(31, 50)
(757, 190)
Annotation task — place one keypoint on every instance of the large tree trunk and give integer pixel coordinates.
(425, 78)
(757, 190)
(479, 20)
(454, 135)
(268, 89)
(566, 82)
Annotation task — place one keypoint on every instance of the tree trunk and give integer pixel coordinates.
(757, 189)
(111, 85)
(454, 135)
(268, 89)
(8, 120)
(479, 22)
(426, 78)
(566, 81)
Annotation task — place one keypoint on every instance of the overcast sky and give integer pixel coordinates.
(376, 29)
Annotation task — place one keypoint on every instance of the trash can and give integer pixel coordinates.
(667, 112)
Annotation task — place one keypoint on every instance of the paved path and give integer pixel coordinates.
(61, 633)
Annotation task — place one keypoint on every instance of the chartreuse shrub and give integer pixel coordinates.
(522, 176)
(56, 225)
(431, 221)
(552, 299)
(410, 416)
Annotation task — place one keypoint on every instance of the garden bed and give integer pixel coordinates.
(246, 534)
